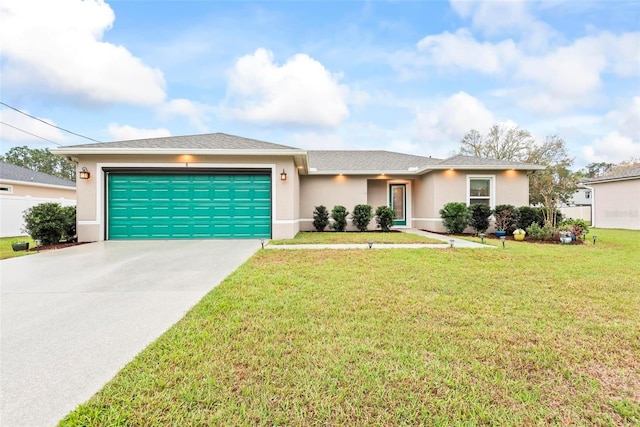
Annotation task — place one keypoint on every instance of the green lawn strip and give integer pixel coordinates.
(7, 252)
(532, 334)
(315, 238)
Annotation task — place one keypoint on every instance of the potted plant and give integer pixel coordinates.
(565, 237)
(503, 219)
(19, 245)
(519, 234)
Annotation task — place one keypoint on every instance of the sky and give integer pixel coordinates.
(406, 76)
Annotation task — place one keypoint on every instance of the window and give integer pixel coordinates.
(6, 189)
(480, 190)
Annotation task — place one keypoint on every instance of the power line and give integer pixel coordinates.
(32, 134)
(46, 123)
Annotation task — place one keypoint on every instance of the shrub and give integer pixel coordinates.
(506, 218)
(455, 216)
(576, 226)
(529, 215)
(480, 215)
(320, 218)
(339, 217)
(361, 217)
(50, 222)
(384, 217)
(535, 231)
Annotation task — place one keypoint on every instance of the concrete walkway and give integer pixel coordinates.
(72, 318)
(457, 243)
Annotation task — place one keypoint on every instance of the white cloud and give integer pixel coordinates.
(442, 127)
(55, 46)
(13, 118)
(300, 92)
(462, 50)
(623, 141)
(126, 132)
(195, 112)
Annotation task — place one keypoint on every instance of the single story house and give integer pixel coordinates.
(616, 199)
(22, 188)
(225, 186)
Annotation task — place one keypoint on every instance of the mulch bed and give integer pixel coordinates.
(56, 246)
(526, 239)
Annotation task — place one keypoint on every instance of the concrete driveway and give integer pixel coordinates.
(72, 318)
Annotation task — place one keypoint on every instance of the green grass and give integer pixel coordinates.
(312, 238)
(7, 252)
(528, 335)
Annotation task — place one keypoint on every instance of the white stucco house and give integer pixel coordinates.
(616, 199)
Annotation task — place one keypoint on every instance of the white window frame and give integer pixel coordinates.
(6, 189)
(492, 189)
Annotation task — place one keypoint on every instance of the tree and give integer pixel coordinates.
(555, 184)
(501, 143)
(41, 160)
(593, 170)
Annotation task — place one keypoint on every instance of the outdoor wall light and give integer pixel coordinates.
(84, 173)
(283, 176)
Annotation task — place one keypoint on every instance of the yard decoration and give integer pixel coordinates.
(519, 234)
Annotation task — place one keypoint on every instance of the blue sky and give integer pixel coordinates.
(405, 76)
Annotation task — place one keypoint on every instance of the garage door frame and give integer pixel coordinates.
(199, 170)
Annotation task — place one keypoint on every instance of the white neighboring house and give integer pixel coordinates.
(616, 199)
(22, 188)
(580, 205)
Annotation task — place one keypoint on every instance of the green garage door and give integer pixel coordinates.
(158, 206)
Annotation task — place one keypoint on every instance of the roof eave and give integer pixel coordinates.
(363, 172)
(37, 184)
(70, 151)
(481, 167)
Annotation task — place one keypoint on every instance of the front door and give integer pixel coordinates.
(398, 202)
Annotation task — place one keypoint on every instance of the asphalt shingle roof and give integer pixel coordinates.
(340, 160)
(210, 141)
(12, 172)
(460, 160)
(623, 174)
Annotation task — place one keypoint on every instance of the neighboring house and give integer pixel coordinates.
(580, 204)
(616, 199)
(22, 188)
(224, 186)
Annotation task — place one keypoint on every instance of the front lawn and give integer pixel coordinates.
(528, 335)
(313, 238)
(7, 252)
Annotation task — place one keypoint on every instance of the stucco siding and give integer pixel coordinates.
(329, 190)
(617, 204)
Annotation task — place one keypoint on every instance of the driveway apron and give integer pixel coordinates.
(72, 318)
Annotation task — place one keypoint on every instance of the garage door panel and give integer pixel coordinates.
(188, 206)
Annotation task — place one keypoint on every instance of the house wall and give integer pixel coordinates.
(25, 196)
(434, 190)
(330, 190)
(91, 192)
(617, 204)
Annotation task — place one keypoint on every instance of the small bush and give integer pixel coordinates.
(361, 217)
(455, 216)
(339, 217)
(50, 222)
(384, 217)
(480, 215)
(576, 226)
(506, 218)
(529, 215)
(546, 232)
(320, 218)
(535, 231)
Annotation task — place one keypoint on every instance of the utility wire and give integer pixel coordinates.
(32, 134)
(46, 123)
